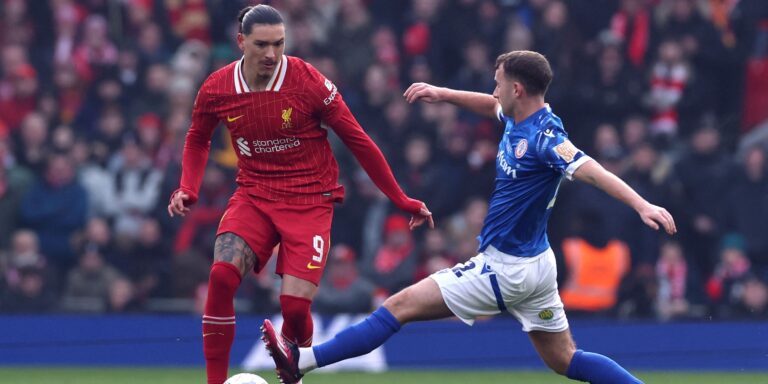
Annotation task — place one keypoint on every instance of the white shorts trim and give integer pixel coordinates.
(493, 282)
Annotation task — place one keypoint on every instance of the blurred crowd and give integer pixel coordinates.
(96, 96)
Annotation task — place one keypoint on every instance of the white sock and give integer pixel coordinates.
(307, 360)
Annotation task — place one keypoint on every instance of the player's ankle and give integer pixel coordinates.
(307, 361)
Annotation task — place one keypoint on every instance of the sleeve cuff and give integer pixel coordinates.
(575, 165)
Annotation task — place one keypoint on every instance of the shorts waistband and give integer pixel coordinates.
(498, 256)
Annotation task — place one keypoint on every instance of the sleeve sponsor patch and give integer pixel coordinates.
(331, 88)
(566, 150)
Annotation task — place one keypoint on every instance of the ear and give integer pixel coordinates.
(241, 41)
(518, 88)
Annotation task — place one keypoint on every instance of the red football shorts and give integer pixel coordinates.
(303, 232)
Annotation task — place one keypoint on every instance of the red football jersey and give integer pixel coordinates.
(280, 136)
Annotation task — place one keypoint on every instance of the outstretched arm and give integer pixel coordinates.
(593, 173)
(481, 103)
(375, 165)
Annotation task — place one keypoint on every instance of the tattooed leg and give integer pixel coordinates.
(234, 250)
(230, 253)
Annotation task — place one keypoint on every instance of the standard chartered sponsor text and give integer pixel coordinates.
(275, 145)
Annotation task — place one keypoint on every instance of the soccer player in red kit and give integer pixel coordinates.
(277, 109)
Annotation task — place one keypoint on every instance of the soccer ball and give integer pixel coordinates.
(245, 378)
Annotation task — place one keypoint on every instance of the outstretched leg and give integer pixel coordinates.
(422, 301)
(559, 352)
(232, 260)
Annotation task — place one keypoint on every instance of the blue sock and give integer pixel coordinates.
(358, 339)
(598, 369)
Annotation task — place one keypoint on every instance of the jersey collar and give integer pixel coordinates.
(545, 109)
(274, 84)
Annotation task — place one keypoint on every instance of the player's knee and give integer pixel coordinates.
(224, 275)
(560, 360)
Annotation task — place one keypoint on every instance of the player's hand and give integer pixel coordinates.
(424, 92)
(176, 205)
(424, 215)
(653, 215)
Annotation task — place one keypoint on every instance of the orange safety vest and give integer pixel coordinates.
(594, 274)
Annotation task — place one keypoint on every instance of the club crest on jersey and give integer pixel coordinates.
(521, 148)
(287, 118)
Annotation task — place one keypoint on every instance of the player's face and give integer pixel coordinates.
(262, 47)
(507, 92)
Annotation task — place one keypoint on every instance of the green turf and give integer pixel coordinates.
(44, 375)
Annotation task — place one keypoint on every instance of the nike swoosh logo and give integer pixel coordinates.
(212, 333)
(231, 119)
(549, 133)
(310, 266)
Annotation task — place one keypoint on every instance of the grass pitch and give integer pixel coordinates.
(49, 375)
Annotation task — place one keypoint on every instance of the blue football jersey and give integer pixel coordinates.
(534, 156)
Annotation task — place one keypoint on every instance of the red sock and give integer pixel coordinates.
(219, 320)
(297, 320)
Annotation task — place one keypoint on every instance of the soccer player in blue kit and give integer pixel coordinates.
(515, 269)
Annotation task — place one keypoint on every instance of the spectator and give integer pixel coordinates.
(24, 254)
(136, 187)
(464, 226)
(154, 91)
(649, 176)
(634, 132)
(13, 183)
(95, 50)
(344, 289)
(596, 265)
(147, 262)
(733, 288)
(88, 284)
(436, 254)
(632, 23)
(670, 76)
(473, 75)
(704, 174)
(21, 97)
(32, 143)
(747, 204)
(33, 293)
(610, 89)
(98, 235)
(393, 265)
(55, 208)
(672, 274)
(351, 36)
(122, 297)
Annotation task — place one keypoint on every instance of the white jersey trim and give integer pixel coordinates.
(278, 76)
(274, 84)
(243, 83)
(575, 165)
(236, 77)
(241, 86)
(283, 70)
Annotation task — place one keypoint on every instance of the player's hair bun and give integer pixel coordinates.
(243, 12)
